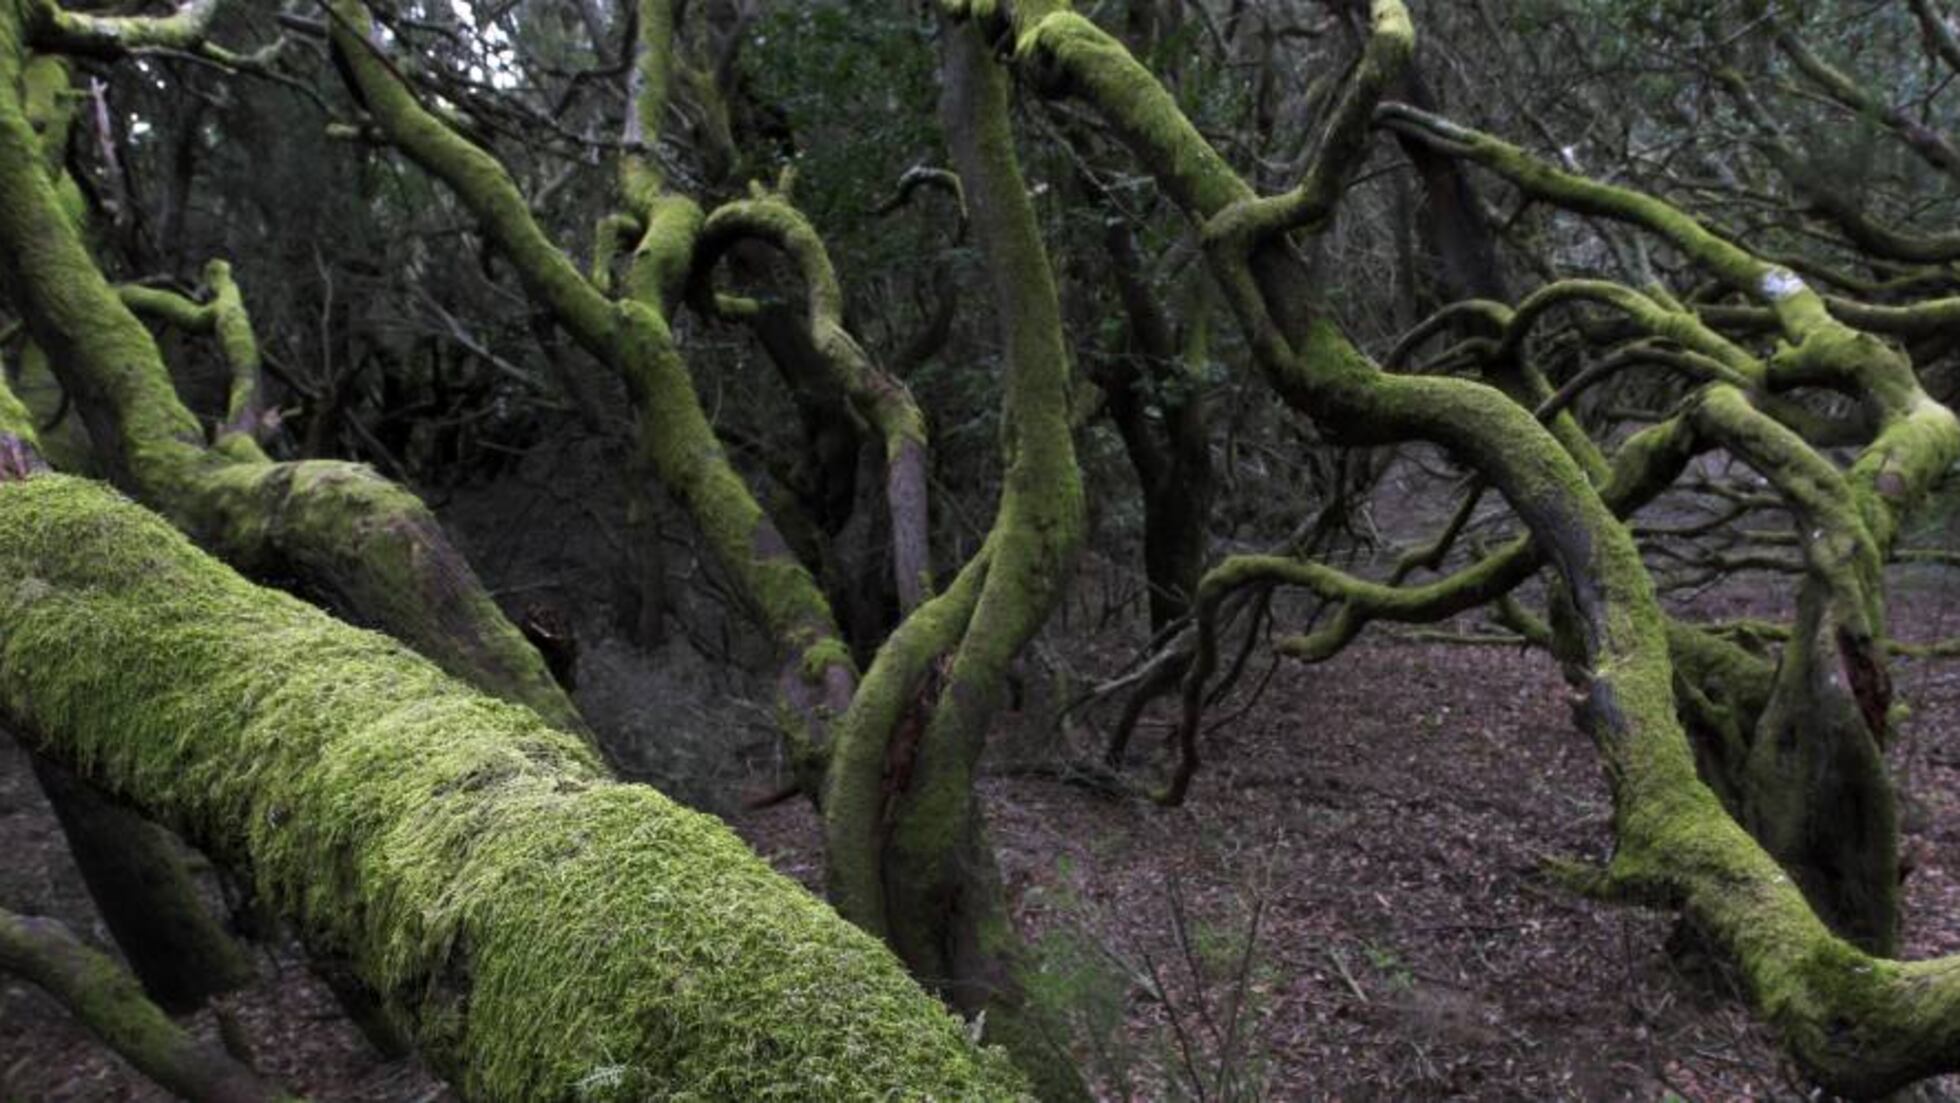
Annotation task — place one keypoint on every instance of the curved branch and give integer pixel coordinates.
(633, 338)
(925, 176)
(57, 29)
(1729, 360)
(1860, 1024)
(111, 1004)
(881, 399)
(1343, 146)
(1691, 364)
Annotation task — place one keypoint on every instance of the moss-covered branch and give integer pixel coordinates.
(57, 29)
(880, 399)
(1797, 306)
(1860, 1024)
(223, 316)
(111, 1004)
(1343, 144)
(934, 889)
(631, 336)
(1918, 438)
(334, 516)
(1729, 360)
(477, 178)
(543, 931)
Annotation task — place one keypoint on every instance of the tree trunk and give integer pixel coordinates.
(1172, 463)
(136, 874)
(540, 929)
(1817, 792)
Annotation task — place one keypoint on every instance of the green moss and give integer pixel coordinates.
(1244, 225)
(543, 930)
(606, 237)
(15, 420)
(879, 398)
(372, 547)
(97, 347)
(1067, 53)
(664, 256)
(682, 449)
(62, 438)
(854, 785)
(653, 69)
(824, 654)
(478, 180)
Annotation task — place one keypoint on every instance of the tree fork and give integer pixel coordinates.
(364, 542)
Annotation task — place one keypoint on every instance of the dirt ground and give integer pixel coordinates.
(1351, 904)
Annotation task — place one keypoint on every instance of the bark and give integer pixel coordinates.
(879, 398)
(631, 335)
(540, 929)
(1172, 465)
(907, 849)
(365, 544)
(1860, 1024)
(944, 903)
(111, 1004)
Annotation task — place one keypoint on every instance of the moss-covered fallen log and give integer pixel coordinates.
(542, 930)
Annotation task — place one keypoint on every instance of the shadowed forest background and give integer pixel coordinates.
(1175, 549)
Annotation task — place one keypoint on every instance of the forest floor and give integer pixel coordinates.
(1350, 905)
(1356, 881)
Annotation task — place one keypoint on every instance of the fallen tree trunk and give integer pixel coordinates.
(540, 929)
